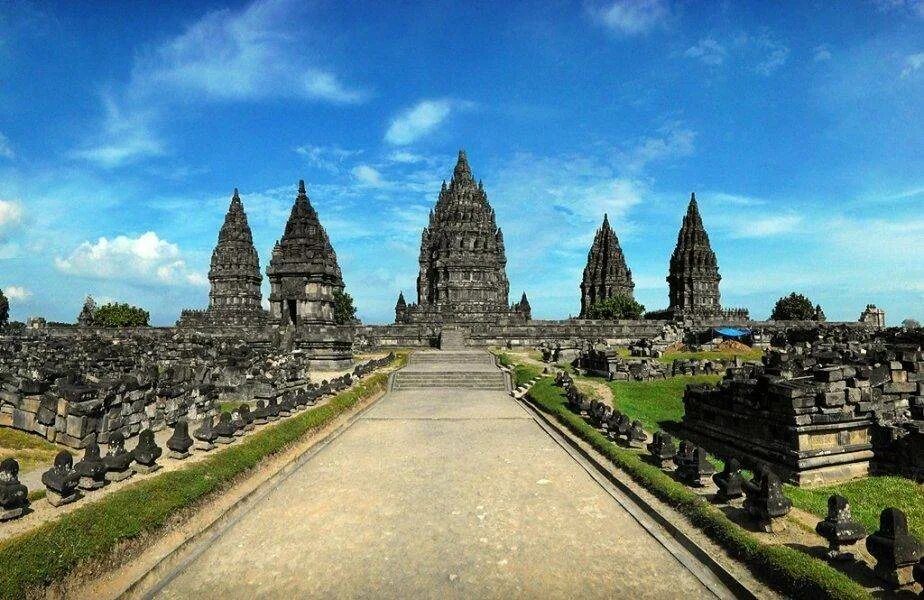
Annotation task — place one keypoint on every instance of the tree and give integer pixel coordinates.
(911, 324)
(4, 310)
(120, 315)
(794, 307)
(619, 306)
(344, 311)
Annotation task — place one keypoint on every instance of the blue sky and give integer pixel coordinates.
(123, 131)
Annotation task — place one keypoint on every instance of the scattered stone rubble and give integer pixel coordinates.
(819, 411)
(64, 480)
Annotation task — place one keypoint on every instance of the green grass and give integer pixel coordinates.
(868, 497)
(658, 404)
(50, 552)
(29, 450)
(786, 569)
(522, 373)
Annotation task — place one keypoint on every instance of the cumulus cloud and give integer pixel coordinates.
(10, 213)
(708, 51)
(417, 121)
(913, 62)
(16, 292)
(6, 150)
(146, 259)
(633, 17)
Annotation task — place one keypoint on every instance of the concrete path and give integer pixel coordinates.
(440, 493)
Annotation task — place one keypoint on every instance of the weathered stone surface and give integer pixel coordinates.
(463, 276)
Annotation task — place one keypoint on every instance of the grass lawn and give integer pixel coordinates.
(28, 449)
(753, 354)
(657, 404)
(868, 497)
(522, 373)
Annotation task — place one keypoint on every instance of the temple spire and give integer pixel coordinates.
(606, 274)
(301, 187)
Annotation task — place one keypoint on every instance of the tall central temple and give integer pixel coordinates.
(463, 276)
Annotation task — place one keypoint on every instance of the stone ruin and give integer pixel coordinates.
(86, 387)
(607, 363)
(827, 410)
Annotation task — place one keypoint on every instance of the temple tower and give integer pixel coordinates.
(606, 274)
(462, 259)
(234, 274)
(303, 271)
(694, 277)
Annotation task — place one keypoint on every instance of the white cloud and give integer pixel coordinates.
(403, 156)
(417, 121)
(145, 259)
(633, 17)
(16, 292)
(329, 158)
(913, 62)
(914, 8)
(368, 176)
(10, 213)
(6, 150)
(262, 51)
(708, 51)
(821, 53)
(776, 56)
(125, 138)
(674, 140)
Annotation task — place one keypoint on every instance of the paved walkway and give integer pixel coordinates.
(438, 493)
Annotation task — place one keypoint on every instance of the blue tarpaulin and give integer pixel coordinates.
(732, 332)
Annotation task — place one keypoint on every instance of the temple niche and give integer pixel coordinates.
(606, 274)
(463, 276)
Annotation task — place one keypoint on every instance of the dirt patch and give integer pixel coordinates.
(732, 346)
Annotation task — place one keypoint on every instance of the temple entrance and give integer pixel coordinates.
(292, 311)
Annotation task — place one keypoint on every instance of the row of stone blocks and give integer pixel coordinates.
(896, 551)
(66, 482)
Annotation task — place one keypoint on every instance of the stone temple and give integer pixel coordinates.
(693, 277)
(463, 276)
(234, 276)
(304, 278)
(606, 274)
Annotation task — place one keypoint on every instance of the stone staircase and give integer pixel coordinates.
(470, 380)
(450, 369)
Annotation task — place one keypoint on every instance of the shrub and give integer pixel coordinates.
(794, 307)
(911, 324)
(120, 315)
(619, 306)
(344, 311)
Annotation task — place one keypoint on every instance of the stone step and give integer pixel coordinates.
(453, 379)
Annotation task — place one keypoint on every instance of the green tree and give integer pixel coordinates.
(4, 310)
(120, 315)
(619, 306)
(344, 311)
(794, 307)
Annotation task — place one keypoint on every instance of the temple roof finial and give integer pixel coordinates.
(301, 186)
